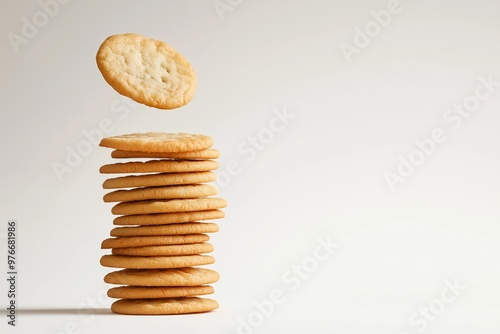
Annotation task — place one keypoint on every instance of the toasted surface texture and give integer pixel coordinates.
(158, 142)
(160, 166)
(164, 306)
(168, 192)
(165, 250)
(163, 277)
(210, 153)
(147, 70)
(168, 218)
(158, 180)
(155, 262)
(156, 240)
(146, 292)
(167, 229)
(169, 205)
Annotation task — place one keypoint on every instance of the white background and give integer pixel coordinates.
(322, 175)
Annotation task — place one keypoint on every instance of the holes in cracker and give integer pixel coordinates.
(164, 77)
(166, 67)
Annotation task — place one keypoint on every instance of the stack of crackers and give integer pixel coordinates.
(163, 205)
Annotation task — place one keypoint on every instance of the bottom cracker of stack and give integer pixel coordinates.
(162, 239)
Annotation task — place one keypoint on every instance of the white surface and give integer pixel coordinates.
(323, 174)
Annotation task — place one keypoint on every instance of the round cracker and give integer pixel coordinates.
(164, 306)
(148, 71)
(168, 229)
(158, 142)
(210, 153)
(163, 277)
(156, 240)
(168, 218)
(159, 166)
(168, 192)
(172, 205)
(155, 262)
(168, 250)
(157, 180)
(147, 292)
